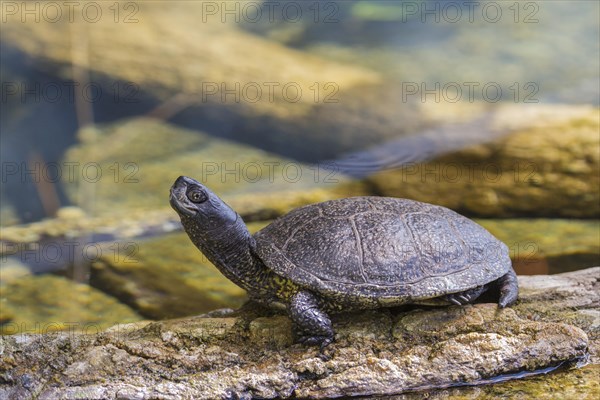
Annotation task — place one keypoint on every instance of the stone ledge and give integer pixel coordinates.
(250, 353)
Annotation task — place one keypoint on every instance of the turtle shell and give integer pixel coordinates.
(385, 249)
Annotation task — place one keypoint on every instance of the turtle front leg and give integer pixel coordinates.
(312, 322)
(509, 289)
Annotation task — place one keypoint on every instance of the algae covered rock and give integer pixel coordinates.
(572, 244)
(47, 303)
(547, 167)
(150, 154)
(250, 353)
(580, 383)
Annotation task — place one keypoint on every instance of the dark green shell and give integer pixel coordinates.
(381, 248)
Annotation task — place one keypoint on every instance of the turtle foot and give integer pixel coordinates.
(310, 340)
(312, 324)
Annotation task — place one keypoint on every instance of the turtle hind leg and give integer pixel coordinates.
(509, 289)
(312, 324)
(466, 297)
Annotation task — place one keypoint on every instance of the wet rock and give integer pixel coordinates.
(572, 297)
(225, 357)
(46, 303)
(550, 158)
(118, 225)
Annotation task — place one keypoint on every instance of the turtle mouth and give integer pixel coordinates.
(179, 201)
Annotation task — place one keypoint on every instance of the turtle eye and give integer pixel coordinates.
(197, 196)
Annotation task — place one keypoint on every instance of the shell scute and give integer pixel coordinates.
(441, 249)
(390, 261)
(338, 244)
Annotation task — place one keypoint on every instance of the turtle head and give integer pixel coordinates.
(197, 204)
(218, 232)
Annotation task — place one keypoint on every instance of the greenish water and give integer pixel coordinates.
(559, 384)
(86, 229)
(552, 45)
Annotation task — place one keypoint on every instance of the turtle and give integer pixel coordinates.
(348, 254)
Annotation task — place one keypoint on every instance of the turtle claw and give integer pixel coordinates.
(453, 300)
(466, 297)
(457, 299)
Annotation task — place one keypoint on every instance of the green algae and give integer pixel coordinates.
(548, 246)
(46, 303)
